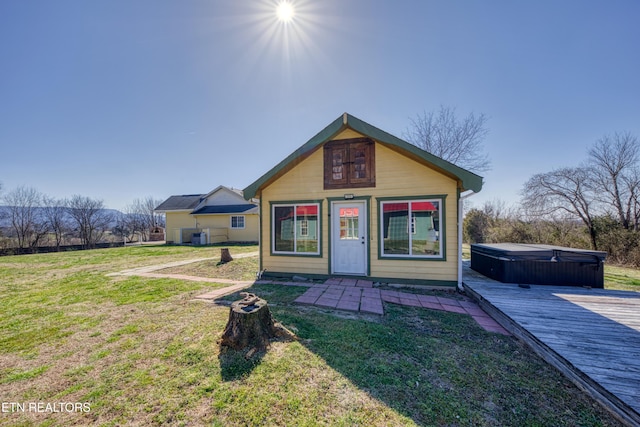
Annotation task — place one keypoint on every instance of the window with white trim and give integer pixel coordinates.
(295, 228)
(411, 228)
(237, 221)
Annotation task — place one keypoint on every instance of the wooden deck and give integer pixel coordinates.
(591, 335)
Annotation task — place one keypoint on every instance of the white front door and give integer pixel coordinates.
(349, 238)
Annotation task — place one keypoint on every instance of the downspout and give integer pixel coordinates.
(460, 217)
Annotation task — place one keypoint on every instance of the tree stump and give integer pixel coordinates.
(250, 324)
(225, 255)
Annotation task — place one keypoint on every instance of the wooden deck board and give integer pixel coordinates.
(591, 335)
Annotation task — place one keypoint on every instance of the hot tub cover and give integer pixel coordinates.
(539, 264)
(537, 252)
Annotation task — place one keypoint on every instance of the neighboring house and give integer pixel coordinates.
(223, 215)
(355, 200)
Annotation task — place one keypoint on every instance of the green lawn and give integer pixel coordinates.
(621, 278)
(141, 351)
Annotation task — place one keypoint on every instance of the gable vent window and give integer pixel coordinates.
(349, 163)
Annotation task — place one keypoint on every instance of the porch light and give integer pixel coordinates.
(349, 196)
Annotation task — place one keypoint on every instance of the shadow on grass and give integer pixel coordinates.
(435, 368)
(234, 364)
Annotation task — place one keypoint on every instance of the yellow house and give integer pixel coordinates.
(357, 201)
(221, 216)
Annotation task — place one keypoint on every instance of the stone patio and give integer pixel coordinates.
(361, 296)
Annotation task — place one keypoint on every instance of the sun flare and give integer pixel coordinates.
(285, 11)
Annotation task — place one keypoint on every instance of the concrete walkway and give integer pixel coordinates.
(148, 271)
(337, 293)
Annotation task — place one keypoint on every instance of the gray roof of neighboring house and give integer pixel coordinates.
(180, 203)
(189, 202)
(223, 209)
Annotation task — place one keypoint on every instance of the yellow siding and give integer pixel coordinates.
(221, 231)
(348, 134)
(250, 233)
(179, 220)
(212, 221)
(175, 221)
(396, 175)
(219, 227)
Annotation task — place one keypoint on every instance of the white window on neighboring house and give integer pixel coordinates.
(304, 227)
(237, 221)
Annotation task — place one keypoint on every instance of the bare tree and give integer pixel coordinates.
(54, 213)
(614, 162)
(568, 190)
(133, 221)
(149, 217)
(3, 214)
(141, 216)
(90, 218)
(457, 141)
(632, 181)
(124, 227)
(155, 218)
(22, 209)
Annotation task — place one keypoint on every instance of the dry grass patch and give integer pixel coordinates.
(241, 269)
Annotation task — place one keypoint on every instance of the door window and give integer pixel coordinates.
(349, 223)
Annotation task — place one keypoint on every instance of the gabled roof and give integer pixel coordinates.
(224, 209)
(196, 204)
(220, 196)
(180, 203)
(223, 188)
(468, 180)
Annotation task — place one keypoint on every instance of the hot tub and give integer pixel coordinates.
(539, 264)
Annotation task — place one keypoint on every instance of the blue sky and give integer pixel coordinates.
(119, 100)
